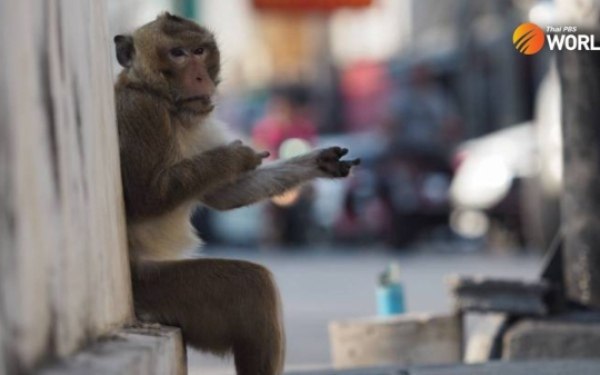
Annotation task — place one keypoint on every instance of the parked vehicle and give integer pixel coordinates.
(487, 187)
(511, 179)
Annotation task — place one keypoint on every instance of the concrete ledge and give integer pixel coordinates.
(558, 367)
(149, 350)
(515, 368)
(483, 294)
(552, 338)
(404, 340)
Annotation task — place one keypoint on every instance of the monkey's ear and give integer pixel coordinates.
(125, 50)
(171, 17)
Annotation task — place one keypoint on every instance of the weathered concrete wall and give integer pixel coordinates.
(64, 277)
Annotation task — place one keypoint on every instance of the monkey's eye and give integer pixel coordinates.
(177, 52)
(199, 51)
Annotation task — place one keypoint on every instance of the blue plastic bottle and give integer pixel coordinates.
(390, 292)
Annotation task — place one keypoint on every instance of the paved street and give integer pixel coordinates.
(322, 285)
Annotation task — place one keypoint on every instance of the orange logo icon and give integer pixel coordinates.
(528, 38)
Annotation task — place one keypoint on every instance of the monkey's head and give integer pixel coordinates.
(174, 57)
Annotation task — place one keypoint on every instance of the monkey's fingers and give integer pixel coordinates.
(332, 154)
(339, 152)
(344, 168)
(264, 154)
(354, 161)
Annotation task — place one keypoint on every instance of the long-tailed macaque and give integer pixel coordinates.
(175, 156)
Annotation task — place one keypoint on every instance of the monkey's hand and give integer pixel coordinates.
(242, 158)
(329, 162)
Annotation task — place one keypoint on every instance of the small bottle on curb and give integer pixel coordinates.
(390, 292)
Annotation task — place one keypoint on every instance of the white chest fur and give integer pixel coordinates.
(168, 236)
(208, 135)
(171, 235)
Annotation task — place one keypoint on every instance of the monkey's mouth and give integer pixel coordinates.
(203, 103)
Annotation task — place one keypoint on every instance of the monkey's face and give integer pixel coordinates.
(175, 57)
(183, 65)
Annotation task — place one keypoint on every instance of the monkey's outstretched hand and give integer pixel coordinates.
(243, 157)
(329, 161)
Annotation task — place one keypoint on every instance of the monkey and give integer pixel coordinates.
(174, 156)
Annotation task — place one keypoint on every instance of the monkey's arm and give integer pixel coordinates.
(278, 177)
(155, 178)
(259, 184)
(172, 185)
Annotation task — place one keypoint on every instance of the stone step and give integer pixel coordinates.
(148, 351)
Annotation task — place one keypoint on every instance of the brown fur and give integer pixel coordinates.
(174, 155)
(220, 305)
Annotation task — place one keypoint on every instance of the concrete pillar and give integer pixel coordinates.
(580, 81)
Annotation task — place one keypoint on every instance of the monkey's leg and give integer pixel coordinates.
(220, 305)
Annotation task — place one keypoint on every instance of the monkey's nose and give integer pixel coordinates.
(199, 79)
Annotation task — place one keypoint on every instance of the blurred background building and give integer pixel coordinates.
(403, 84)
(458, 132)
